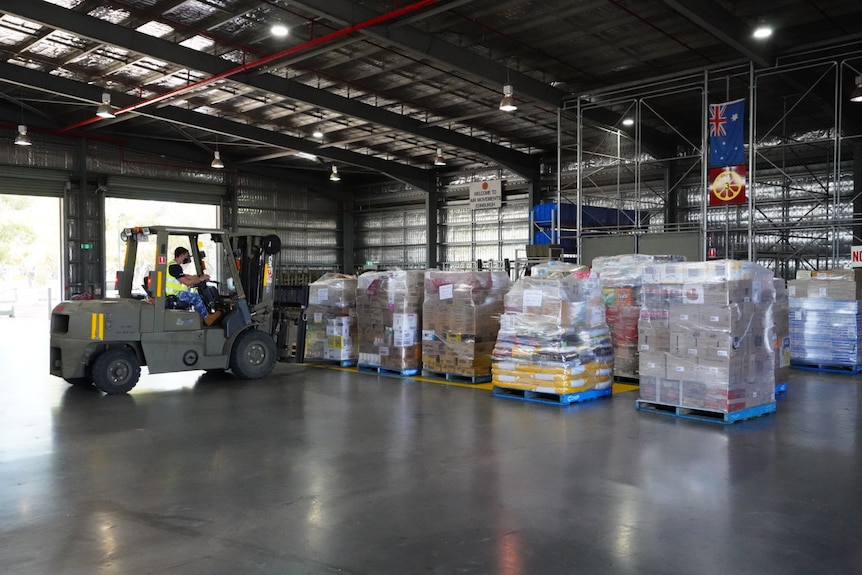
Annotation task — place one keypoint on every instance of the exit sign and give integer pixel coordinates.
(86, 246)
(856, 256)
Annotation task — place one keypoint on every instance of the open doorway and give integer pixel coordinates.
(123, 213)
(30, 256)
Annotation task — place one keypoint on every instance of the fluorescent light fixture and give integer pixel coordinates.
(105, 110)
(628, 122)
(762, 31)
(334, 177)
(217, 162)
(439, 160)
(507, 104)
(22, 139)
(856, 94)
(305, 156)
(279, 30)
(317, 134)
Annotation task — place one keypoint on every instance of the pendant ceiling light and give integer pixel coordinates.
(105, 110)
(334, 177)
(439, 160)
(22, 139)
(507, 104)
(856, 94)
(217, 162)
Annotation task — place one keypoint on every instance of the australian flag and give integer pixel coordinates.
(726, 123)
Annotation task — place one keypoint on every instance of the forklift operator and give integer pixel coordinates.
(179, 282)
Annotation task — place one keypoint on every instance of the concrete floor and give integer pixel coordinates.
(320, 471)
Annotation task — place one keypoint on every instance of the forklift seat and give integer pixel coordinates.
(172, 302)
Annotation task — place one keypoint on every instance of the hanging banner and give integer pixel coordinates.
(727, 185)
(726, 143)
(484, 195)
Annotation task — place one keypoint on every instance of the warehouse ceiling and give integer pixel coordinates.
(383, 84)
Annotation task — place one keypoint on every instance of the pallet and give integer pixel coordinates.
(550, 398)
(456, 377)
(780, 388)
(704, 414)
(829, 368)
(363, 368)
(332, 362)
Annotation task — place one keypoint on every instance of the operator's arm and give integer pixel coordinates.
(190, 280)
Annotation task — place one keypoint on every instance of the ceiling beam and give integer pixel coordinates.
(18, 75)
(724, 26)
(105, 32)
(418, 42)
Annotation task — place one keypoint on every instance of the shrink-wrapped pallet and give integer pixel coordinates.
(389, 312)
(331, 326)
(460, 320)
(621, 279)
(553, 336)
(707, 335)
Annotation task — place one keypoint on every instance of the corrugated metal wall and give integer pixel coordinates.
(309, 225)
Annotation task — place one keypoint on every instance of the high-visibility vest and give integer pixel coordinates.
(174, 286)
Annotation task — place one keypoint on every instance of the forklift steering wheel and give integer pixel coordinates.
(204, 283)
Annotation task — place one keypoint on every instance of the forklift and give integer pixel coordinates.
(105, 342)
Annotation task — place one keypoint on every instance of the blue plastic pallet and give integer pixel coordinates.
(780, 388)
(550, 398)
(829, 368)
(387, 371)
(456, 377)
(704, 414)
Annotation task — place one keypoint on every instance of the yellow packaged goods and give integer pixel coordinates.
(553, 336)
(460, 320)
(331, 319)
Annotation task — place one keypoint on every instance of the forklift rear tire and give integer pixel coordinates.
(253, 355)
(116, 371)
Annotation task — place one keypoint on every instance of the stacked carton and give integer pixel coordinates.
(706, 335)
(331, 319)
(826, 319)
(553, 336)
(460, 320)
(389, 311)
(621, 278)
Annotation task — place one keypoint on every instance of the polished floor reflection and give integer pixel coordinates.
(321, 471)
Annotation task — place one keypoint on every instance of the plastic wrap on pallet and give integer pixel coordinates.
(389, 312)
(621, 279)
(553, 336)
(331, 325)
(781, 334)
(825, 332)
(460, 320)
(707, 335)
(841, 285)
(556, 269)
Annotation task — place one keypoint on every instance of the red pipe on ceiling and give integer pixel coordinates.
(265, 60)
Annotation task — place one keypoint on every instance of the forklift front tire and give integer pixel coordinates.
(253, 355)
(116, 371)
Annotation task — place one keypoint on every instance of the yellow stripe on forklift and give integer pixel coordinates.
(97, 326)
(158, 284)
